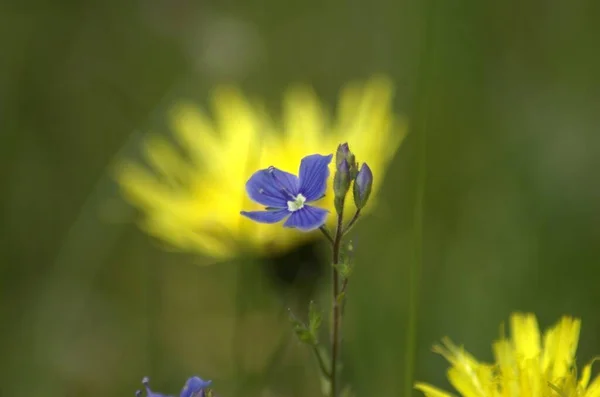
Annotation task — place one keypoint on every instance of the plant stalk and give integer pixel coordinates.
(352, 222)
(335, 338)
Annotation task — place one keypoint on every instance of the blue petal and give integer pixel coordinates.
(286, 180)
(266, 187)
(194, 386)
(314, 171)
(266, 216)
(307, 218)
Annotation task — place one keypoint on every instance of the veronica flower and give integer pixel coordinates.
(194, 387)
(287, 196)
(527, 365)
(189, 187)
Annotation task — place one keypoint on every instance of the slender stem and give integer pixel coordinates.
(351, 223)
(421, 118)
(344, 285)
(326, 233)
(321, 362)
(335, 338)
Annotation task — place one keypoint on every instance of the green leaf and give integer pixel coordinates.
(303, 333)
(345, 269)
(306, 336)
(315, 317)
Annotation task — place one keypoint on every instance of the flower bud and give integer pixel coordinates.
(344, 153)
(341, 179)
(194, 387)
(362, 186)
(343, 175)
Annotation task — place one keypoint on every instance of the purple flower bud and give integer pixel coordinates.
(344, 154)
(362, 186)
(194, 387)
(343, 176)
(343, 151)
(343, 167)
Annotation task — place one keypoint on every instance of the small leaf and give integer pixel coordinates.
(345, 269)
(306, 336)
(301, 330)
(315, 317)
(340, 297)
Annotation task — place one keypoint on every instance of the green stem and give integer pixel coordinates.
(321, 362)
(326, 233)
(351, 223)
(420, 114)
(335, 337)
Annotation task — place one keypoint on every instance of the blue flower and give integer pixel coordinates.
(194, 387)
(286, 196)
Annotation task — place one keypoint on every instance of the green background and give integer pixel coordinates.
(507, 94)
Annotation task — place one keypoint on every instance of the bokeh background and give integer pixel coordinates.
(508, 94)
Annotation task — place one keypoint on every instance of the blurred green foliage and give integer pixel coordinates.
(89, 304)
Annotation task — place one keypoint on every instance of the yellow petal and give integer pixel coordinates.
(237, 120)
(465, 381)
(170, 230)
(304, 120)
(560, 345)
(364, 114)
(431, 391)
(142, 187)
(367, 122)
(466, 373)
(594, 389)
(164, 159)
(586, 374)
(525, 335)
(195, 132)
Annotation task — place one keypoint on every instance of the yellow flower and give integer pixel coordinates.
(192, 189)
(527, 365)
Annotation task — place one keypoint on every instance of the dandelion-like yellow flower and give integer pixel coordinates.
(527, 365)
(192, 201)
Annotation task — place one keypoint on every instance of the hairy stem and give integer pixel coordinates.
(326, 233)
(321, 362)
(335, 337)
(351, 223)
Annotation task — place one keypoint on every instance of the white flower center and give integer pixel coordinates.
(297, 204)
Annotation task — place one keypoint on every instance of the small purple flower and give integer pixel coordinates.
(194, 387)
(286, 196)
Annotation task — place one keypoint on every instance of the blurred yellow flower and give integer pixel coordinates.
(192, 189)
(527, 365)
